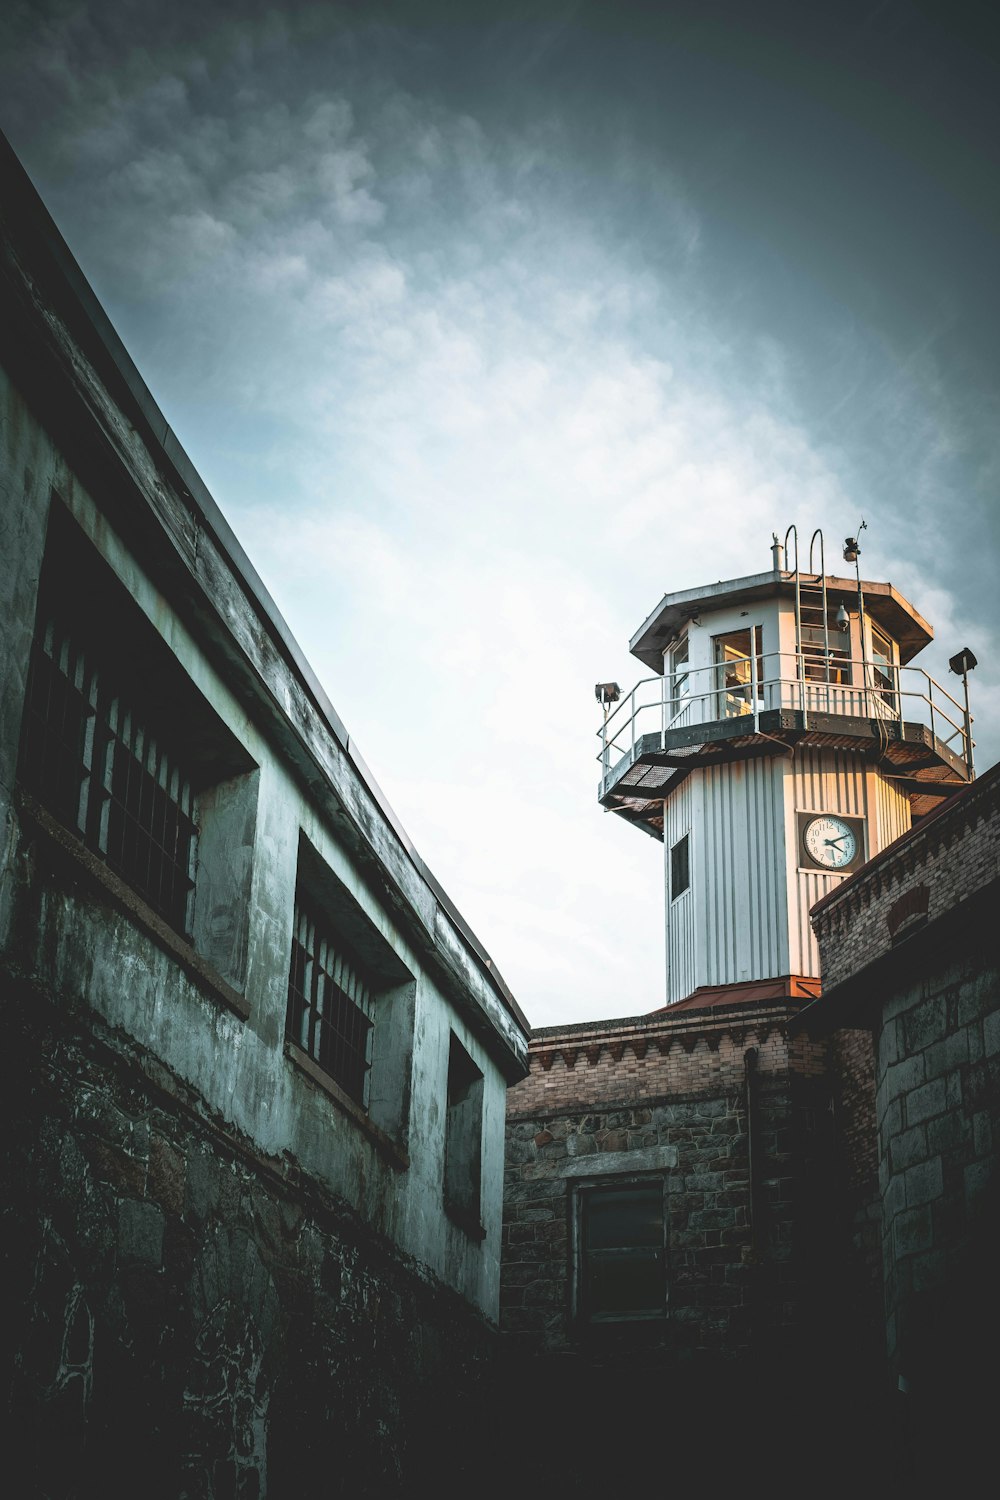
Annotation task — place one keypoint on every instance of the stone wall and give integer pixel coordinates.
(914, 944)
(187, 1317)
(753, 1233)
(939, 1117)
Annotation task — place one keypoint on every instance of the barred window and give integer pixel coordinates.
(104, 770)
(330, 1004)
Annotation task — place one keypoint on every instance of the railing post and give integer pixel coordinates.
(754, 682)
(969, 763)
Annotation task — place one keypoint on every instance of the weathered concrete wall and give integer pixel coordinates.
(219, 1259)
(186, 1315)
(237, 1062)
(753, 1230)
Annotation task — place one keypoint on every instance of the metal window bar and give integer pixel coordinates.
(330, 1006)
(99, 770)
(147, 820)
(58, 732)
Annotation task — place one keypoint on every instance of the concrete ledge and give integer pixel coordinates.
(601, 1163)
(384, 1144)
(75, 855)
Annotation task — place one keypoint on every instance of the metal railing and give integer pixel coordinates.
(850, 688)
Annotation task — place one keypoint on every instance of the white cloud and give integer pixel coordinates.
(469, 432)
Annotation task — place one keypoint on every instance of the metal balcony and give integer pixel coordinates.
(904, 721)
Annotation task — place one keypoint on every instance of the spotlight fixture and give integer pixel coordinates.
(607, 692)
(851, 549)
(962, 662)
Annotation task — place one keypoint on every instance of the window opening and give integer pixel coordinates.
(330, 1005)
(883, 670)
(734, 675)
(826, 657)
(104, 771)
(679, 682)
(680, 867)
(463, 1151)
(622, 1249)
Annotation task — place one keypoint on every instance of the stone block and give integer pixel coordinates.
(908, 1147)
(894, 1197)
(889, 1050)
(924, 1182)
(977, 1186)
(991, 1034)
(981, 1084)
(947, 1133)
(122, 1172)
(167, 1176)
(982, 1133)
(140, 1233)
(891, 1120)
(948, 1054)
(612, 1140)
(922, 1103)
(924, 1024)
(903, 1077)
(912, 1232)
(977, 997)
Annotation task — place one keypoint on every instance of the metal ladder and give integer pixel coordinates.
(812, 616)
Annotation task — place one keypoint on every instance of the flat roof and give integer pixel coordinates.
(884, 604)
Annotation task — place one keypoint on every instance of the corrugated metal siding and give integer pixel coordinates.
(822, 781)
(743, 877)
(892, 814)
(681, 975)
(746, 913)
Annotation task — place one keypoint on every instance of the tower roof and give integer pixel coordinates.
(883, 603)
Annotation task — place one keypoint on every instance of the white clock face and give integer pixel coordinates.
(831, 842)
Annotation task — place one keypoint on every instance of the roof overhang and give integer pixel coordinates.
(883, 603)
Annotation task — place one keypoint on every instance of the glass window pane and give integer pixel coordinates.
(624, 1217)
(623, 1282)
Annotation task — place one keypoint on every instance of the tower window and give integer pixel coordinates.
(735, 671)
(680, 867)
(883, 670)
(678, 681)
(826, 654)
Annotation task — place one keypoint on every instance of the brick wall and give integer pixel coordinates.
(947, 857)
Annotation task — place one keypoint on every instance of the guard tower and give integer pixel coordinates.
(782, 740)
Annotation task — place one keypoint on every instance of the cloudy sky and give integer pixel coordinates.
(486, 325)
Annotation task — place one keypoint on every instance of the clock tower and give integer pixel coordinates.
(781, 738)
